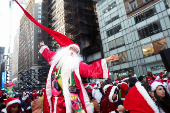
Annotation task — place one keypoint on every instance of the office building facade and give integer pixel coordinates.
(135, 30)
(30, 37)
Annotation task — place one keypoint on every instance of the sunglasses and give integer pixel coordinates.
(74, 49)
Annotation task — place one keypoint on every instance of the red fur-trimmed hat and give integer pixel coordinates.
(10, 101)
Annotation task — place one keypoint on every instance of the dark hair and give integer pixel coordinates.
(12, 105)
(132, 81)
(165, 102)
(90, 95)
(141, 78)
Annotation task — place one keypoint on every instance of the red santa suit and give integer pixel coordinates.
(98, 69)
(27, 100)
(124, 86)
(108, 104)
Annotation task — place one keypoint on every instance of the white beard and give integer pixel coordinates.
(69, 62)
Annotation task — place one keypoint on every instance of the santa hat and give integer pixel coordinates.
(141, 100)
(124, 78)
(34, 91)
(109, 93)
(85, 85)
(11, 101)
(116, 81)
(94, 85)
(61, 39)
(27, 92)
(149, 78)
(155, 84)
(105, 87)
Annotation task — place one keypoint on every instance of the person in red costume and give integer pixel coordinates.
(124, 86)
(34, 94)
(64, 90)
(109, 103)
(68, 63)
(26, 98)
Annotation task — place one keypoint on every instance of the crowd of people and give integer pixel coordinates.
(135, 94)
(25, 102)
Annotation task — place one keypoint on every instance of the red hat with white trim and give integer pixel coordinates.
(124, 78)
(10, 101)
(142, 102)
(109, 93)
(85, 85)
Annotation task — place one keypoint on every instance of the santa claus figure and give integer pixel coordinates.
(67, 69)
(64, 91)
(35, 94)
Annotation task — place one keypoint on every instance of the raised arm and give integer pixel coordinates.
(98, 69)
(46, 53)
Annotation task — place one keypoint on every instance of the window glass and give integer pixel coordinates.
(39, 16)
(132, 5)
(113, 30)
(159, 45)
(150, 30)
(120, 42)
(123, 57)
(144, 15)
(39, 12)
(112, 45)
(148, 50)
(39, 21)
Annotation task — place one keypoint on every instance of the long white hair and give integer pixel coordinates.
(69, 61)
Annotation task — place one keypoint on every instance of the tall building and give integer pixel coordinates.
(135, 30)
(30, 37)
(2, 50)
(77, 20)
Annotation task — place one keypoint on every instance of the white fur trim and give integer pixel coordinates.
(105, 68)
(143, 92)
(13, 101)
(155, 84)
(86, 86)
(42, 48)
(120, 106)
(125, 79)
(55, 104)
(85, 95)
(28, 108)
(48, 87)
(111, 94)
(105, 87)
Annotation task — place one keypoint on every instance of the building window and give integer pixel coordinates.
(167, 3)
(132, 5)
(159, 45)
(112, 45)
(150, 30)
(39, 16)
(39, 7)
(113, 30)
(148, 50)
(112, 20)
(146, 0)
(145, 15)
(39, 30)
(39, 21)
(120, 42)
(39, 12)
(111, 6)
(123, 57)
(39, 3)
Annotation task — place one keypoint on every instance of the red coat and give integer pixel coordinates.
(124, 86)
(98, 69)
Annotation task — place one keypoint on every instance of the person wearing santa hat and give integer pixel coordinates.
(27, 100)
(97, 95)
(107, 81)
(67, 61)
(124, 86)
(162, 98)
(109, 103)
(12, 106)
